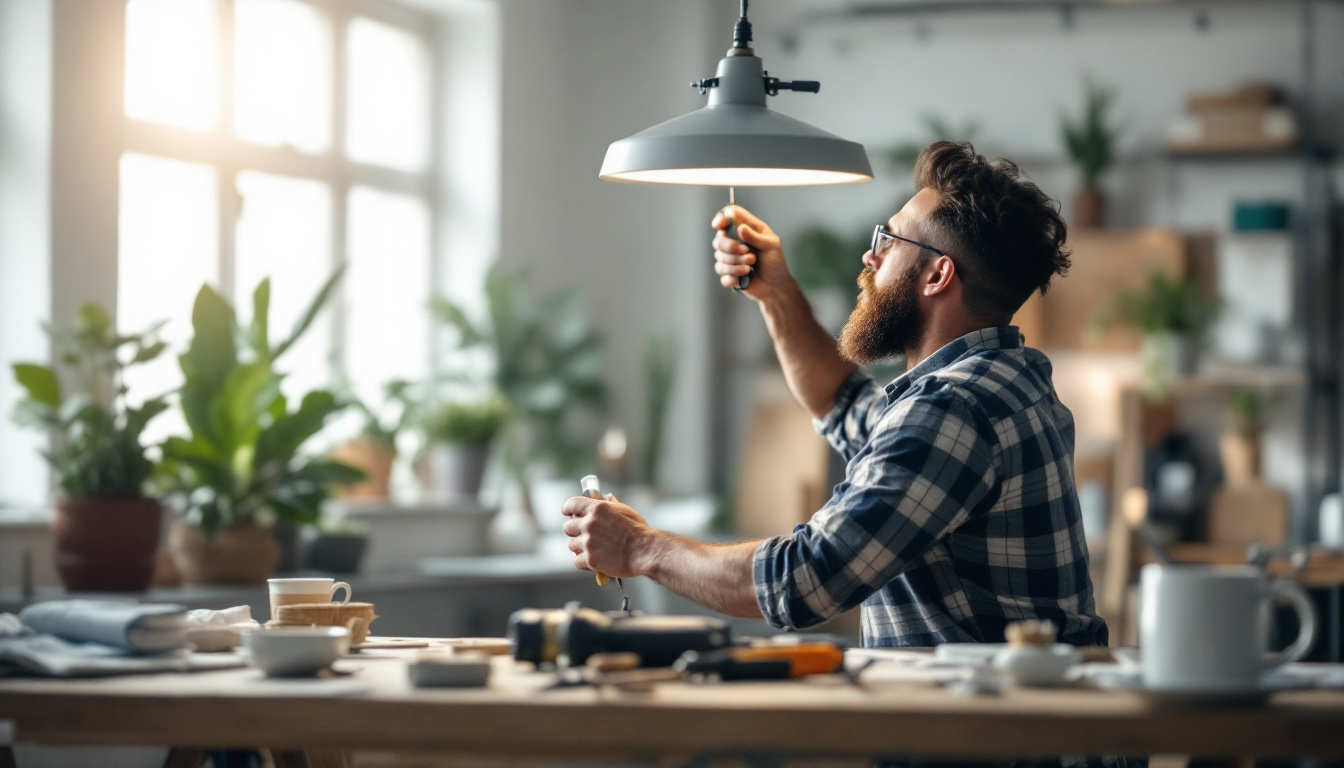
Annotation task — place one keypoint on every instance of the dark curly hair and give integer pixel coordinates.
(1004, 234)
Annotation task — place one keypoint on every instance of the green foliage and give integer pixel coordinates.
(821, 259)
(399, 397)
(1090, 141)
(241, 462)
(545, 360)
(1246, 412)
(901, 157)
(1167, 306)
(660, 370)
(467, 423)
(96, 450)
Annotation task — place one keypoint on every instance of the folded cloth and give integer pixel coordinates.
(209, 630)
(142, 628)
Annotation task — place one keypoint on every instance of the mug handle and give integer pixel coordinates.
(1306, 617)
(341, 585)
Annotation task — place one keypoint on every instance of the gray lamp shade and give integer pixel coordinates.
(736, 141)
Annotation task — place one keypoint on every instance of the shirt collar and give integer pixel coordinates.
(997, 337)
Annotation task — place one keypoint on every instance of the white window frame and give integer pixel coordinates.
(229, 155)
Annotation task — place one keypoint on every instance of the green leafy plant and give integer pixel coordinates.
(821, 259)
(383, 427)
(1167, 306)
(1246, 413)
(901, 157)
(97, 450)
(467, 423)
(660, 369)
(1090, 141)
(544, 359)
(241, 464)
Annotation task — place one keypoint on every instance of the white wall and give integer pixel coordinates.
(25, 235)
(577, 75)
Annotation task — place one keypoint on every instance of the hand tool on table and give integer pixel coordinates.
(573, 635)
(766, 662)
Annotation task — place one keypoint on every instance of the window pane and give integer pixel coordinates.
(282, 71)
(168, 246)
(284, 233)
(172, 65)
(387, 121)
(386, 291)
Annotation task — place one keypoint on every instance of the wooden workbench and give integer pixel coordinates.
(516, 717)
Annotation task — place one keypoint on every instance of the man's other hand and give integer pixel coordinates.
(606, 536)
(732, 259)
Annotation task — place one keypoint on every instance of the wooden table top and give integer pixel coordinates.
(376, 708)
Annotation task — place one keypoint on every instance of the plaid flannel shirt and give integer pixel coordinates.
(958, 513)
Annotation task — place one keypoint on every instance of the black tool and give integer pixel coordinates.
(731, 231)
(569, 637)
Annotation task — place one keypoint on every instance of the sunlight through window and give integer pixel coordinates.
(282, 74)
(168, 246)
(387, 290)
(172, 62)
(387, 119)
(284, 233)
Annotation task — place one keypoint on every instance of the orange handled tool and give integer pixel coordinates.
(771, 662)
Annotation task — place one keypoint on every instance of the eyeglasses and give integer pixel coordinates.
(881, 237)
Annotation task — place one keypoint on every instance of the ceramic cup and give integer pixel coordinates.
(295, 651)
(1205, 628)
(294, 591)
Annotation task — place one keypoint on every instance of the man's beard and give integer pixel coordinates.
(886, 322)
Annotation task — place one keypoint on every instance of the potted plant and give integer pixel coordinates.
(1239, 447)
(1090, 144)
(547, 363)
(458, 438)
(241, 468)
(336, 546)
(375, 448)
(1174, 316)
(106, 529)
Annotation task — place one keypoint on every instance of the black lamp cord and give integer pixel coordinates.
(742, 30)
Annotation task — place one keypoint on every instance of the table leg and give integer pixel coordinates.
(178, 757)
(7, 757)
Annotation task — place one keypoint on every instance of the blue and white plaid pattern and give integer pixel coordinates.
(958, 513)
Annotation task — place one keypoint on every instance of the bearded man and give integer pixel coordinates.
(958, 513)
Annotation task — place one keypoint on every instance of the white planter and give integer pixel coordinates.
(1170, 355)
(453, 473)
(400, 536)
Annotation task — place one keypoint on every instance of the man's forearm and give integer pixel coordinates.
(812, 365)
(717, 576)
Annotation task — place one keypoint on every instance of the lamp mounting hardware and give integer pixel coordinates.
(773, 85)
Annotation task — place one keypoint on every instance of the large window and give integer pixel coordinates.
(280, 139)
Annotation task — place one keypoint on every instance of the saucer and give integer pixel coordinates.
(1236, 697)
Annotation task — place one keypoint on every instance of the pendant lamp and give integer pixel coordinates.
(736, 140)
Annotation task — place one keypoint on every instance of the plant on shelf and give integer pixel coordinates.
(106, 528)
(544, 359)
(1240, 445)
(242, 467)
(1090, 142)
(374, 449)
(458, 437)
(1174, 316)
(660, 370)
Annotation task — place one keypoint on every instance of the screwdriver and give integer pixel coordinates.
(771, 662)
(592, 489)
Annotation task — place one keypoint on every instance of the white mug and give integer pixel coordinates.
(295, 591)
(1206, 627)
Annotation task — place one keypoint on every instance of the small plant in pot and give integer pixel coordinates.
(336, 546)
(375, 448)
(458, 439)
(1239, 446)
(106, 529)
(1090, 145)
(242, 468)
(1174, 316)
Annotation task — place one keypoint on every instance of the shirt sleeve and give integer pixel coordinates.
(858, 405)
(931, 464)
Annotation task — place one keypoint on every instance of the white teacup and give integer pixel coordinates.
(294, 591)
(295, 651)
(1205, 628)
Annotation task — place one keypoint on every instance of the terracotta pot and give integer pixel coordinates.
(243, 555)
(371, 456)
(1089, 208)
(1241, 459)
(106, 545)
